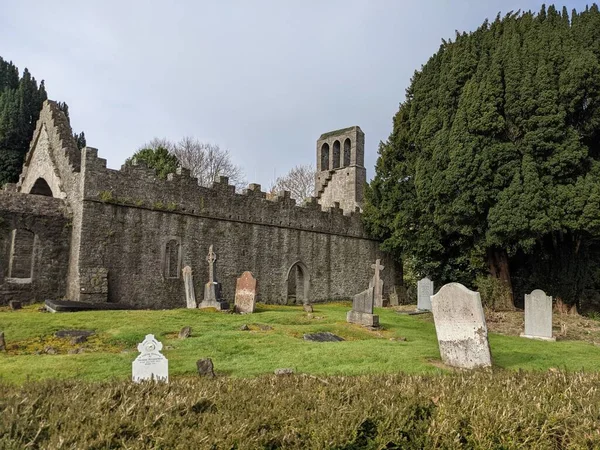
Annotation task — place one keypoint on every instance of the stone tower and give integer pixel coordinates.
(341, 173)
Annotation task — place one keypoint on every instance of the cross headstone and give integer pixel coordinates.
(377, 283)
(188, 282)
(460, 327)
(538, 316)
(362, 309)
(424, 293)
(212, 289)
(245, 294)
(150, 364)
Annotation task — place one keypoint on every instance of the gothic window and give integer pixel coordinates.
(172, 258)
(347, 146)
(325, 157)
(21, 254)
(336, 155)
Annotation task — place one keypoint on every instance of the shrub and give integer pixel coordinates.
(495, 293)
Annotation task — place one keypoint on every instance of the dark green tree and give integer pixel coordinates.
(493, 163)
(158, 158)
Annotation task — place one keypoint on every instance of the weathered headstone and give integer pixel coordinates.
(460, 327)
(308, 308)
(205, 368)
(150, 363)
(15, 304)
(188, 282)
(362, 309)
(212, 289)
(394, 300)
(538, 316)
(323, 336)
(185, 332)
(377, 283)
(424, 293)
(245, 294)
(2, 342)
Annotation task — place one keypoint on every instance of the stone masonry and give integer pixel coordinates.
(125, 235)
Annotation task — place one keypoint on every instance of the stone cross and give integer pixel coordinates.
(378, 283)
(211, 258)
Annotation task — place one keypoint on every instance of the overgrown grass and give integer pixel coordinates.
(481, 410)
(250, 353)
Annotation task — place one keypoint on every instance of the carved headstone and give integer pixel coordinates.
(188, 282)
(245, 294)
(460, 327)
(150, 363)
(424, 293)
(377, 283)
(362, 309)
(212, 289)
(538, 316)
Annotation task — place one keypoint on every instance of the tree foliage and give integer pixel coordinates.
(493, 164)
(300, 182)
(158, 158)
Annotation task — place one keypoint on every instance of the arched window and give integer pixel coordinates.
(21, 254)
(298, 284)
(172, 259)
(41, 187)
(347, 145)
(336, 155)
(325, 156)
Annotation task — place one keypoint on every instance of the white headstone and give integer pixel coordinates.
(424, 293)
(460, 327)
(150, 363)
(190, 294)
(538, 316)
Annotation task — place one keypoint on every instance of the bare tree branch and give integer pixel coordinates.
(300, 181)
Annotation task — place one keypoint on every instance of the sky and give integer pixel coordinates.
(260, 78)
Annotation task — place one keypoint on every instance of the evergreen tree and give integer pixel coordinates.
(158, 158)
(493, 163)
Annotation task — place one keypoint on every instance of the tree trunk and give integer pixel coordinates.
(499, 268)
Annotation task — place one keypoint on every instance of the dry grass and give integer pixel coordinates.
(483, 410)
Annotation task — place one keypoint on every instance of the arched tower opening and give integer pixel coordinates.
(41, 187)
(325, 156)
(336, 155)
(347, 147)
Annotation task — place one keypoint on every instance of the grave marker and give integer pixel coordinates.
(377, 283)
(460, 327)
(245, 294)
(538, 316)
(150, 363)
(362, 309)
(212, 289)
(424, 293)
(188, 282)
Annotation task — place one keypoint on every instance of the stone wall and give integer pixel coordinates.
(48, 220)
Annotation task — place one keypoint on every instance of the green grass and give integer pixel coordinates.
(239, 353)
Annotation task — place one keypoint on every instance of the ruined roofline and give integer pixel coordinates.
(59, 131)
(137, 185)
(340, 131)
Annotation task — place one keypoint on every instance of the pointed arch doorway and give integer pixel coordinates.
(298, 284)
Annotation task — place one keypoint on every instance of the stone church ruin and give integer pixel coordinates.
(73, 229)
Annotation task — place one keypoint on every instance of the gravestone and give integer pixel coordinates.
(15, 304)
(322, 336)
(245, 294)
(188, 282)
(377, 283)
(362, 309)
(185, 332)
(538, 316)
(2, 342)
(212, 289)
(205, 368)
(308, 308)
(150, 363)
(460, 327)
(424, 293)
(394, 300)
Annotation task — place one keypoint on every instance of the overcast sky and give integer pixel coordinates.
(260, 78)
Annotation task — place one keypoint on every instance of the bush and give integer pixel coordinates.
(483, 410)
(495, 294)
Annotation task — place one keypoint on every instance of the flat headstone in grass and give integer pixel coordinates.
(324, 336)
(538, 316)
(73, 333)
(460, 327)
(150, 364)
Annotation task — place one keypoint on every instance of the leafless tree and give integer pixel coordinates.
(300, 181)
(207, 162)
(157, 142)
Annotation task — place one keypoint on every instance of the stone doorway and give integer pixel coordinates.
(298, 284)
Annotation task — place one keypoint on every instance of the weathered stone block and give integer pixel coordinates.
(364, 319)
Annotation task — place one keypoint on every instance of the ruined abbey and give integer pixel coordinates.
(74, 229)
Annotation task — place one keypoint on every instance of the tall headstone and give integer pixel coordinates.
(362, 309)
(538, 316)
(424, 293)
(460, 327)
(377, 283)
(188, 281)
(245, 294)
(150, 364)
(212, 289)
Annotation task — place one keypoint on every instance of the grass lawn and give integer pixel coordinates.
(275, 340)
